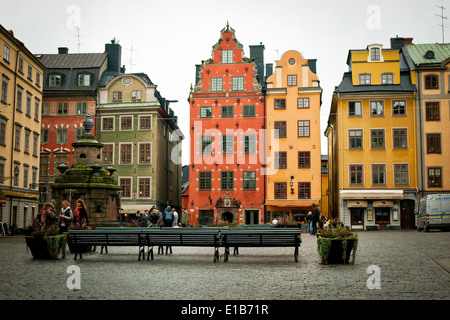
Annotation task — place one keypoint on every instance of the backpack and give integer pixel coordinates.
(154, 217)
(168, 216)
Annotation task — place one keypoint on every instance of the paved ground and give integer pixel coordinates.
(412, 266)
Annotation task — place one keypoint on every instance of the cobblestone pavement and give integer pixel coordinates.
(413, 265)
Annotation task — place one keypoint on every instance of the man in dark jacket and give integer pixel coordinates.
(315, 219)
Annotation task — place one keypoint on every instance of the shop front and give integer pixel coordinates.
(289, 209)
(371, 209)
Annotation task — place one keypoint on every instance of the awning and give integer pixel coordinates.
(358, 194)
(133, 208)
(383, 204)
(293, 203)
(356, 204)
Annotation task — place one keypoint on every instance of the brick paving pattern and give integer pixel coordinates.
(414, 265)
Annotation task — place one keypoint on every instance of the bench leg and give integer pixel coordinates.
(160, 249)
(296, 254)
(236, 251)
(226, 254)
(141, 252)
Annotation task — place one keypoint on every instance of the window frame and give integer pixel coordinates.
(435, 183)
(205, 180)
(356, 171)
(121, 153)
(377, 174)
(431, 81)
(378, 139)
(303, 128)
(280, 190)
(356, 114)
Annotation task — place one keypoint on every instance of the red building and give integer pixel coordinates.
(227, 135)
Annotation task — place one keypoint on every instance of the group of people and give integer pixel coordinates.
(167, 218)
(316, 220)
(48, 217)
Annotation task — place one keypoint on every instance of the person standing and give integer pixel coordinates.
(65, 217)
(168, 217)
(80, 212)
(185, 218)
(175, 218)
(309, 221)
(315, 220)
(144, 219)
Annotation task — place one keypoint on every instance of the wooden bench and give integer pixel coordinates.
(105, 238)
(239, 237)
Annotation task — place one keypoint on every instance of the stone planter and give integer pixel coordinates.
(47, 247)
(336, 251)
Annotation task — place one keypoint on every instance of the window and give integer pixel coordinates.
(237, 83)
(45, 108)
(400, 138)
(432, 81)
(206, 112)
(378, 174)
(126, 123)
(302, 103)
(19, 98)
(249, 143)
(125, 183)
(61, 135)
(107, 123)
(304, 190)
(44, 164)
(145, 153)
(34, 177)
(35, 144)
(432, 111)
(365, 78)
(60, 158)
(30, 73)
(26, 148)
(434, 177)
(18, 131)
(292, 80)
(281, 160)
(144, 187)
(387, 78)
(205, 180)
(433, 143)
(249, 178)
(228, 143)
(377, 138)
(38, 79)
(354, 109)
(227, 111)
(280, 190)
(375, 54)
(63, 108)
(78, 133)
(216, 84)
(2, 132)
(145, 122)
(44, 136)
(399, 108)
(28, 104)
(401, 174)
(303, 128)
(108, 153)
(4, 94)
(376, 108)
(54, 80)
(20, 67)
(304, 159)
(249, 111)
(81, 107)
(356, 175)
(280, 129)
(37, 103)
(136, 95)
(280, 103)
(117, 96)
(126, 153)
(206, 144)
(6, 53)
(227, 56)
(227, 180)
(26, 170)
(16, 175)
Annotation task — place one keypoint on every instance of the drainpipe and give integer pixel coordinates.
(420, 157)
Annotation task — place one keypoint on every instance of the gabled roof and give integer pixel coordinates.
(418, 53)
(72, 60)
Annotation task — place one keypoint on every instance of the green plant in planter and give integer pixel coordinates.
(44, 241)
(334, 245)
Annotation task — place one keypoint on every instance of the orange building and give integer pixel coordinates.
(227, 118)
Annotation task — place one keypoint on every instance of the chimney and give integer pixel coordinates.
(257, 53)
(312, 65)
(114, 51)
(398, 43)
(63, 50)
(269, 70)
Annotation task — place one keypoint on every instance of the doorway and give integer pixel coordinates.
(357, 218)
(407, 218)
(382, 217)
(205, 217)
(227, 217)
(251, 217)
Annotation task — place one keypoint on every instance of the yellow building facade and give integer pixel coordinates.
(21, 76)
(293, 170)
(372, 142)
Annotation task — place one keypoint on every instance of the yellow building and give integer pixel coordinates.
(21, 76)
(371, 142)
(293, 101)
(430, 67)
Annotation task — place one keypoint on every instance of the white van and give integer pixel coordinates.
(434, 212)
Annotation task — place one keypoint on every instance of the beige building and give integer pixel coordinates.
(21, 76)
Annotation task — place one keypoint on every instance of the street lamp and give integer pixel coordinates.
(16, 173)
(291, 183)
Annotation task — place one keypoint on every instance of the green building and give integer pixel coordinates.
(141, 140)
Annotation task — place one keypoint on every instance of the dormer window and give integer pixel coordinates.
(429, 54)
(84, 80)
(375, 54)
(54, 80)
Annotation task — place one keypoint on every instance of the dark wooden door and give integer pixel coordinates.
(407, 218)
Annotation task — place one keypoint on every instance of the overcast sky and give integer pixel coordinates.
(170, 37)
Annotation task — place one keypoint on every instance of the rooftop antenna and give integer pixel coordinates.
(131, 58)
(442, 19)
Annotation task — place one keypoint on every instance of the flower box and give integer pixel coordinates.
(336, 245)
(46, 247)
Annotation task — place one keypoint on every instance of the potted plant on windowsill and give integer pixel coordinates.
(45, 242)
(335, 245)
